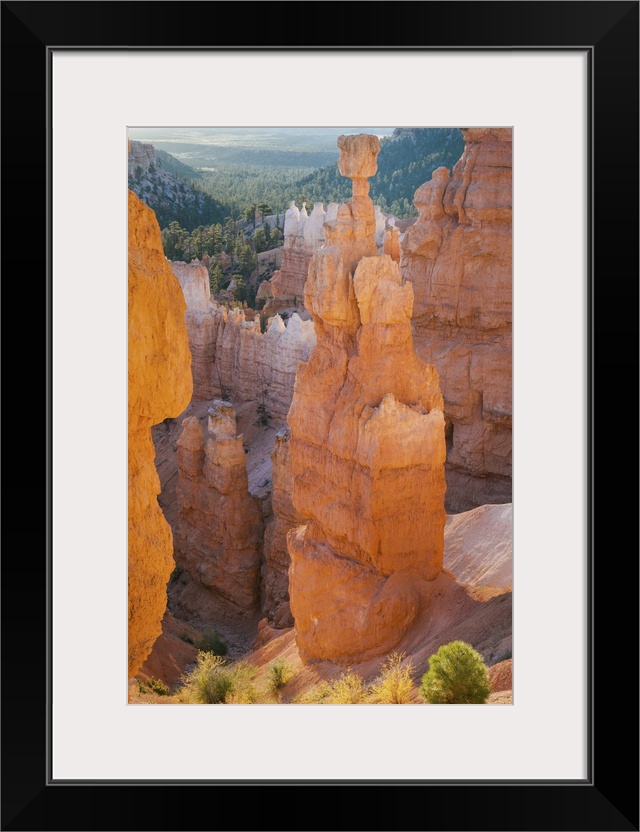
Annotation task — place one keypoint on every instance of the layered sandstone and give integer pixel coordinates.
(367, 444)
(219, 532)
(303, 235)
(457, 256)
(478, 545)
(232, 356)
(257, 366)
(202, 326)
(160, 386)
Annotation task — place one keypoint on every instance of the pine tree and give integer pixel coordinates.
(457, 675)
(216, 276)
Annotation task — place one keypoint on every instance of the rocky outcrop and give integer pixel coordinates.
(500, 676)
(233, 357)
(219, 532)
(256, 366)
(141, 157)
(391, 243)
(169, 195)
(367, 444)
(202, 327)
(458, 259)
(275, 570)
(303, 235)
(478, 545)
(159, 387)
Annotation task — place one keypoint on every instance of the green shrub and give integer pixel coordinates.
(212, 642)
(185, 636)
(210, 682)
(348, 689)
(280, 672)
(215, 682)
(243, 691)
(152, 686)
(158, 686)
(457, 675)
(317, 696)
(394, 685)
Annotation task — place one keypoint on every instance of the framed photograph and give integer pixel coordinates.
(564, 78)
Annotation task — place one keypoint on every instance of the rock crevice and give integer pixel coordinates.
(220, 528)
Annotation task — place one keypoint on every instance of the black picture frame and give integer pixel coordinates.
(608, 798)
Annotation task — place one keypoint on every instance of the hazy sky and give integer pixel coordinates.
(321, 138)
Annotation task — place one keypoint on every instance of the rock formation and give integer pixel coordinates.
(367, 444)
(478, 545)
(232, 357)
(275, 570)
(219, 535)
(256, 366)
(303, 235)
(202, 327)
(458, 259)
(500, 676)
(141, 156)
(159, 387)
(391, 243)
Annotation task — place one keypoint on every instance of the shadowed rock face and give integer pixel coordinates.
(276, 555)
(159, 387)
(457, 257)
(367, 444)
(219, 534)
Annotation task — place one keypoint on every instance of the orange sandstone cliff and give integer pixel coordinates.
(159, 387)
(457, 256)
(367, 444)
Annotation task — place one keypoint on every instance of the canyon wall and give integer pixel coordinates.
(275, 570)
(159, 379)
(232, 357)
(218, 538)
(457, 256)
(367, 444)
